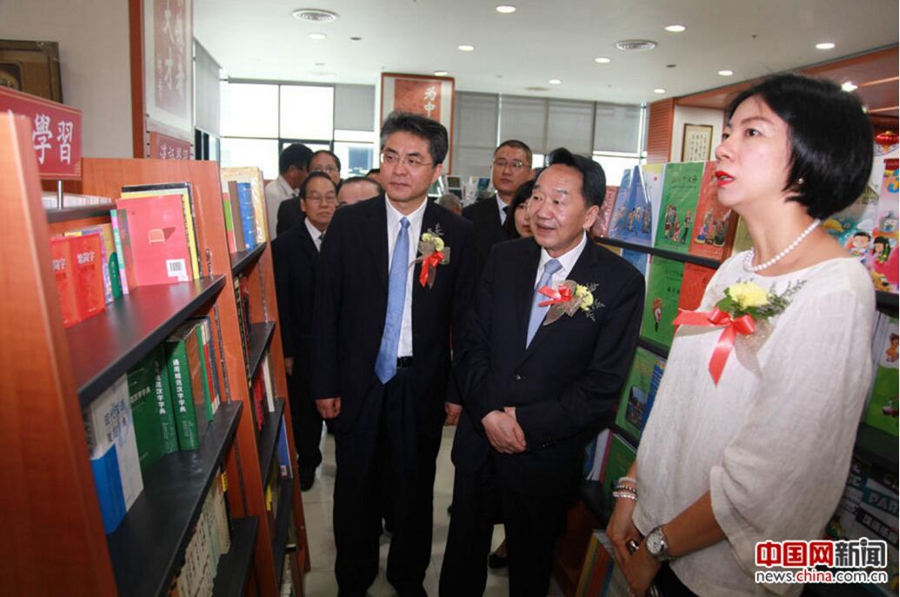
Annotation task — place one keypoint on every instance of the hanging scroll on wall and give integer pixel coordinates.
(432, 97)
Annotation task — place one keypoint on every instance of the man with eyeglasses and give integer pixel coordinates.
(295, 253)
(327, 162)
(382, 359)
(510, 168)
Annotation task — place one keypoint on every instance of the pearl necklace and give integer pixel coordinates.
(748, 260)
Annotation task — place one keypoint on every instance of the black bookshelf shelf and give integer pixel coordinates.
(886, 301)
(234, 567)
(654, 347)
(241, 260)
(260, 336)
(148, 547)
(282, 517)
(268, 440)
(79, 213)
(705, 262)
(107, 345)
(878, 447)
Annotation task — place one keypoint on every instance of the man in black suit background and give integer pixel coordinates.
(382, 354)
(510, 168)
(281, 193)
(295, 253)
(535, 390)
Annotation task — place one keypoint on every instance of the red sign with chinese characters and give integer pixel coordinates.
(422, 97)
(165, 147)
(56, 133)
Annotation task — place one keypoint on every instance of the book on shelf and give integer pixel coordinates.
(252, 178)
(78, 273)
(883, 262)
(633, 216)
(678, 206)
(693, 285)
(714, 224)
(882, 408)
(639, 259)
(184, 358)
(619, 218)
(661, 302)
(63, 274)
(619, 459)
(112, 447)
(595, 455)
(118, 219)
(597, 571)
(258, 395)
(158, 239)
(50, 200)
(208, 373)
(852, 227)
(269, 381)
(601, 225)
(112, 284)
(230, 220)
(185, 192)
(639, 392)
(653, 176)
(151, 406)
(285, 467)
(243, 321)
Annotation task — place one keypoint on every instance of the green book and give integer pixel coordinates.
(620, 457)
(142, 397)
(177, 348)
(677, 210)
(661, 303)
(881, 411)
(162, 391)
(639, 392)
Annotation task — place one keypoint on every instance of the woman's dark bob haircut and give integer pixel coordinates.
(830, 136)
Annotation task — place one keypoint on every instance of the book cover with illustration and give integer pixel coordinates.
(601, 226)
(693, 284)
(882, 409)
(619, 459)
(653, 175)
(638, 393)
(158, 239)
(678, 207)
(638, 215)
(714, 224)
(619, 215)
(253, 178)
(883, 262)
(661, 303)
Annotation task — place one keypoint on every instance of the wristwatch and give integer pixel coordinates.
(657, 545)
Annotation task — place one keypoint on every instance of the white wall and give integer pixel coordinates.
(94, 59)
(687, 115)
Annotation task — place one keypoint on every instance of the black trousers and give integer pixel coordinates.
(532, 524)
(387, 444)
(307, 425)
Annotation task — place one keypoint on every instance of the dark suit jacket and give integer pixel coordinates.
(485, 218)
(289, 215)
(351, 301)
(294, 257)
(565, 384)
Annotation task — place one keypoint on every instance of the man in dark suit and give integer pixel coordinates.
(510, 168)
(281, 193)
(537, 386)
(383, 350)
(295, 253)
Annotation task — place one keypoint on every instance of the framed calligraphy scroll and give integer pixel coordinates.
(432, 97)
(696, 144)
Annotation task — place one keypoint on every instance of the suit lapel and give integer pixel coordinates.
(578, 273)
(376, 238)
(526, 271)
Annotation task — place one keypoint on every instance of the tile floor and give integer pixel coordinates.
(317, 505)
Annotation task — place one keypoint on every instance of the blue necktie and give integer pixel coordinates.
(386, 364)
(538, 312)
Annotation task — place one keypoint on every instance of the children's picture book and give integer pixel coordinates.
(601, 226)
(852, 227)
(678, 208)
(638, 259)
(714, 224)
(635, 224)
(661, 302)
(654, 176)
(639, 392)
(619, 219)
(882, 409)
(256, 201)
(693, 284)
(883, 261)
(619, 460)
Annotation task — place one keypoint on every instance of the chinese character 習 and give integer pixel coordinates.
(65, 141)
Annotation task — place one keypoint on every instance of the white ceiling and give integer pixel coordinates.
(541, 41)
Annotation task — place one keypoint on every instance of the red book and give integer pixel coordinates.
(259, 399)
(63, 272)
(601, 226)
(693, 285)
(158, 239)
(714, 225)
(87, 264)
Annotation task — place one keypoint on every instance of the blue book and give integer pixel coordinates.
(248, 218)
(619, 220)
(284, 459)
(636, 223)
(108, 483)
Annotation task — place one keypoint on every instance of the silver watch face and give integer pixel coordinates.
(655, 543)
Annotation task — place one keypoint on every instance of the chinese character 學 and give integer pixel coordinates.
(41, 135)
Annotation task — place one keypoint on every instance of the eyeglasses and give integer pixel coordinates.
(515, 164)
(325, 169)
(328, 199)
(412, 161)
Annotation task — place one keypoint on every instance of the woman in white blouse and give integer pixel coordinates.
(753, 442)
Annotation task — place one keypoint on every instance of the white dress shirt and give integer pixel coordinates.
(276, 191)
(405, 349)
(502, 207)
(315, 233)
(566, 260)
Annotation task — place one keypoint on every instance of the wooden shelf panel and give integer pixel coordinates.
(148, 547)
(260, 336)
(106, 346)
(282, 517)
(269, 438)
(234, 567)
(661, 252)
(242, 260)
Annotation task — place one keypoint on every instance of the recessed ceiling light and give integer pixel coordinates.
(635, 45)
(466, 48)
(849, 86)
(555, 82)
(675, 28)
(356, 38)
(317, 36)
(726, 73)
(825, 46)
(506, 9)
(602, 60)
(659, 91)
(440, 73)
(320, 64)
(537, 89)
(315, 15)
